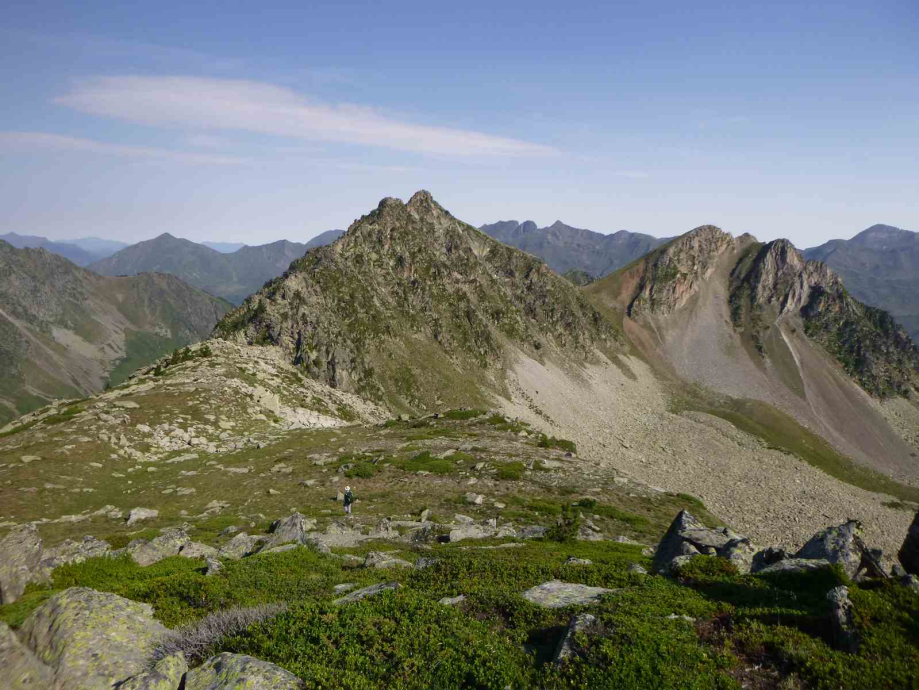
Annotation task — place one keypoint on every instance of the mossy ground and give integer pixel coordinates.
(747, 631)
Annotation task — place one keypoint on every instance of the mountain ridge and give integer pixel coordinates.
(565, 248)
(66, 331)
(230, 275)
(880, 267)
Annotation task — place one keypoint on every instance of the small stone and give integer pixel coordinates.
(452, 601)
(578, 561)
(474, 499)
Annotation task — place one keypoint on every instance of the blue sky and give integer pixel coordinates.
(240, 122)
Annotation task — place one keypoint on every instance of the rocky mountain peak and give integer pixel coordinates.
(676, 270)
(410, 282)
(781, 275)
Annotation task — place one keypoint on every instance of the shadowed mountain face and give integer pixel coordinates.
(880, 267)
(565, 248)
(758, 321)
(65, 331)
(410, 296)
(233, 276)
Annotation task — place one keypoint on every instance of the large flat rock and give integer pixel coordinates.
(556, 594)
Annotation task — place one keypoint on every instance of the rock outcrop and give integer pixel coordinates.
(20, 555)
(842, 545)
(92, 639)
(169, 543)
(687, 537)
(20, 669)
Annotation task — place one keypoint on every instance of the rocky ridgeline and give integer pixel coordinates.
(410, 291)
(81, 638)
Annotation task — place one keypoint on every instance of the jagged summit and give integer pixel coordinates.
(410, 284)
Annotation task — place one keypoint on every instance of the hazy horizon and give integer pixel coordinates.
(782, 120)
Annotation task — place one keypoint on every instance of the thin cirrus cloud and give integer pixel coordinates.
(227, 104)
(58, 142)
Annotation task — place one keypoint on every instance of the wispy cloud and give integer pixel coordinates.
(225, 104)
(57, 142)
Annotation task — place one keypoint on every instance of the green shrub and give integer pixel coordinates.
(560, 443)
(511, 470)
(426, 462)
(566, 527)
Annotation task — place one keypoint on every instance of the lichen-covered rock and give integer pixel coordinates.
(577, 624)
(290, 529)
(214, 566)
(909, 552)
(194, 549)
(70, 551)
(452, 601)
(842, 545)
(365, 592)
(384, 559)
(138, 514)
(556, 594)
(167, 674)
(239, 546)
(20, 554)
(845, 636)
(92, 639)
(21, 669)
(169, 543)
(240, 672)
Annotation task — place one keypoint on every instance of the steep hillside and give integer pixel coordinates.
(232, 275)
(759, 322)
(411, 296)
(880, 267)
(565, 248)
(65, 331)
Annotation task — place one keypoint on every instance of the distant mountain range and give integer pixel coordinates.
(565, 248)
(880, 266)
(66, 331)
(82, 251)
(231, 275)
(224, 247)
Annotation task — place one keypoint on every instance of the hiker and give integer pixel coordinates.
(349, 499)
